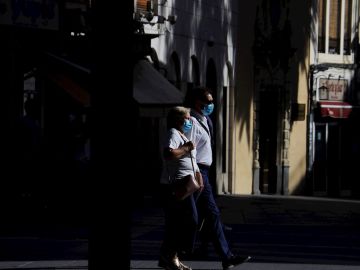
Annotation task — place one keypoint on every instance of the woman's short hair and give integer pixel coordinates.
(175, 115)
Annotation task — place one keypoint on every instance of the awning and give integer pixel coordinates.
(335, 109)
(152, 88)
(64, 73)
(71, 87)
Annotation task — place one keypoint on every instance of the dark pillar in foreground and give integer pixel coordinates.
(11, 99)
(112, 136)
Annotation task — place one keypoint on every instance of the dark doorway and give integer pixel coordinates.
(328, 159)
(148, 169)
(211, 83)
(319, 168)
(333, 159)
(268, 141)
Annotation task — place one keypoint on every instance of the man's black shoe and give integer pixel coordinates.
(234, 261)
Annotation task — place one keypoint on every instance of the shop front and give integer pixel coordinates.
(334, 137)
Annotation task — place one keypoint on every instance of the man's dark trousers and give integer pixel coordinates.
(208, 210)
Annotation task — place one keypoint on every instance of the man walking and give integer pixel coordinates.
(201, 102)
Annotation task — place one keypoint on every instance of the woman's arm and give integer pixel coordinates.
(186, 148)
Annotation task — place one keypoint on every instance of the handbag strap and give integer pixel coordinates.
(191, 156)
(192, 163)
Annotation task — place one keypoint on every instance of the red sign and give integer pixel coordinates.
(335, 109)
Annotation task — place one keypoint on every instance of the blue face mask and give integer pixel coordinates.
(187, 125)
(208, 109)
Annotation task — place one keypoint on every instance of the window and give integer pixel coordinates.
(143, 6)
(195, 71)
(334, 27)
(174, 72)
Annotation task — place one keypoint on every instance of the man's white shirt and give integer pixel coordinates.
(201, 138)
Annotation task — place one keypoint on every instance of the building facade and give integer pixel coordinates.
(333, 119)
(283, 77)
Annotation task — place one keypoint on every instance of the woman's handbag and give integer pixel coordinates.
(185, 187)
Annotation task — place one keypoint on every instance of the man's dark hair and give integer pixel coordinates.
(197, 93)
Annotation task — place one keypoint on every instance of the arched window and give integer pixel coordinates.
(174, 70)
(195, 71)
(211, 76)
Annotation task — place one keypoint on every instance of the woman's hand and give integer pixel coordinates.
(188, 146)
(200, 181)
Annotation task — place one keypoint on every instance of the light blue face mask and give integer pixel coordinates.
(207, 109)
(187, 125)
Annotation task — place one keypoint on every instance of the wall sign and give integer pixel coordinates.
(332, 89)
(298, 111)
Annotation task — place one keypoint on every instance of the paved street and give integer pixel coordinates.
(279, 232)
(149, 265)
(34, 245)
(45, 264)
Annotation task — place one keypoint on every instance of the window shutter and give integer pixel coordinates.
(141, 6)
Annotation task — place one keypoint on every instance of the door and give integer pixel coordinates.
(320, 153)
(327, 159)
(268, 141)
